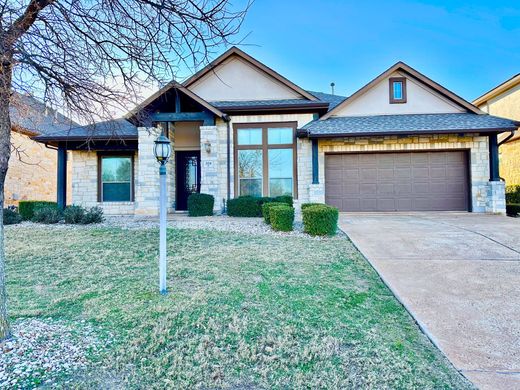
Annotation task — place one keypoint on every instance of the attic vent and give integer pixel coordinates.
(332, 85)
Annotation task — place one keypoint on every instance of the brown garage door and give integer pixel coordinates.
(421, 181)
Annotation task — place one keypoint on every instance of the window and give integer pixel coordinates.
(250, 172)
(266, 159)
(115, 178)
(397, 90)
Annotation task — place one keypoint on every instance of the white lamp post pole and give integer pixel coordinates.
(162, 153)
(162, 233)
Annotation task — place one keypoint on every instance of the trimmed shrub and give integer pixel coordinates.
(287, 199)
(93, 215)
(305, 205)
(513, 194)
(513, 209)
(200, 205)
(74, 214)
(244, 206)
(282, 217)
(320, 220)
(26, 208)
(47, 214)
(11, 217)
(266, 210)
(251, 206)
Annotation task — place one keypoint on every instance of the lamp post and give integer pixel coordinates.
(162, 151)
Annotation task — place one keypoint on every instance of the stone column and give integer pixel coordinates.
(209, 163)
(147, 183)
(496, 197)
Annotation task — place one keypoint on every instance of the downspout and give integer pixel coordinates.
(503, 142)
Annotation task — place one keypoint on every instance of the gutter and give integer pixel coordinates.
(507, 138)
(307, 133)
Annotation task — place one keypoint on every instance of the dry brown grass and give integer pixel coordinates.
(243, 311)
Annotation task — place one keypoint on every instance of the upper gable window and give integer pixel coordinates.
(397, 90)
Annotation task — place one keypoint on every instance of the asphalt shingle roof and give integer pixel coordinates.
(407, 124)
(333, 100)
(114, 129)
(34, 116)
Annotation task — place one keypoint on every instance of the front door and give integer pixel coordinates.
(187, 176)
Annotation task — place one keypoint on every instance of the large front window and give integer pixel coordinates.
(116, 178)
(265, 156)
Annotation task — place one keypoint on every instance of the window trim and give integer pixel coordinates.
(100, 181)
(402, 80)
(265, 152)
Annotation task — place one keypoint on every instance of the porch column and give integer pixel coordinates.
(61, 195)
(315, 167)
(494, 174)
(210, 161)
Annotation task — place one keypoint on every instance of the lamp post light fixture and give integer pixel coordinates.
(162, 151)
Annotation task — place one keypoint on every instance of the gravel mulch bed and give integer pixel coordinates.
(40, 351)
(182, 221)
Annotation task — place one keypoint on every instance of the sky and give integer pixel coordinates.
(468, 46)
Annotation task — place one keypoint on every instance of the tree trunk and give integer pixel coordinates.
(5, 152)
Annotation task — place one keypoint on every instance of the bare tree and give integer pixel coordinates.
(91, 58)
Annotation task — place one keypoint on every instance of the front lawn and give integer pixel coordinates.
(243, 311)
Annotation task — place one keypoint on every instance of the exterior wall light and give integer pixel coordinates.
(207, 146)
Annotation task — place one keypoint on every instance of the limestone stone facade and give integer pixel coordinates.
(485, 196)
(32, 171)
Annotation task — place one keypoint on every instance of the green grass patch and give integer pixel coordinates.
(242, 311)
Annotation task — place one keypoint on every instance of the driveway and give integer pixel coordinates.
(459, 276)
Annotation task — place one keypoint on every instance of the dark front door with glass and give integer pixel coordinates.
(187, 176)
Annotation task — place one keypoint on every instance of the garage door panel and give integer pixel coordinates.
(422, 181)
(367, 189)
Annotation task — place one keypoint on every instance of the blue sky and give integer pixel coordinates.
(467, 46)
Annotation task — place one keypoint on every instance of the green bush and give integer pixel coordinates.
(513, 194)
(513, 209)
(47, 214)
(284, 199)
(80, 215)
(93, 215)
(244, 206)
(266, 210)
(282, 217)
(200, 205)
(26, 208)
(305, 205)
(11, 217)
(251, 206)
(320, 220)
(74, 214)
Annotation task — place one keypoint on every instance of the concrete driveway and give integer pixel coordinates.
(459, 276)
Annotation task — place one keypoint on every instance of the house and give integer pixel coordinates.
(401, 142)
(32, 167)
(504, 101)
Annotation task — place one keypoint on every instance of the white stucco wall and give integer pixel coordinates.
(420, 100)
(236, 79)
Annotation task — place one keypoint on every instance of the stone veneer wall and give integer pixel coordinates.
(32, 175)
(147, 175)
(485, 196)
(85, 184)
(510, 162)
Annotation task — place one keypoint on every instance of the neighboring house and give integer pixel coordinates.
(402, 142)
(504, 100)
(32, 167)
